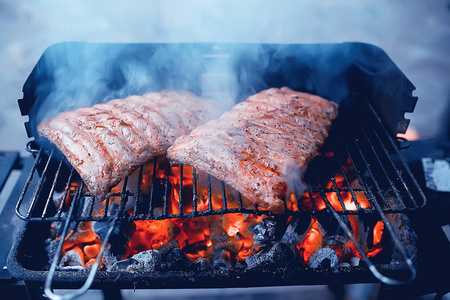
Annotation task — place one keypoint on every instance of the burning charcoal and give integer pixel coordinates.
(122, 265)
(51, 245)
(222, 260)
(355, 261)
(144, 261)
(264, 231)
(280, 255)
(324, 257)
(172, 258)
(291, 237)
(300, 224)
(330, 224)
(122, 233)
(72, 259)
(109, 258)
(406, 235)
(202, 264)
(240, 265)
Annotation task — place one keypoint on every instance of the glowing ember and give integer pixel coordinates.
(377, 236)
(228, 234)
(312, 240)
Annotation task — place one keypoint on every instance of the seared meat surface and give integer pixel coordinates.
(108, 141)
(260, 143)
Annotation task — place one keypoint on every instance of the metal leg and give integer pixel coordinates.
(112, 293)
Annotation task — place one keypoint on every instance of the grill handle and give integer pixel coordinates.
(372, 268)
(48, 282)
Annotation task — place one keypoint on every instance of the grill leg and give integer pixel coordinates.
(112, 293)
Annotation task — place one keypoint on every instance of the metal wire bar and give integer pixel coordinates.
(240, 200)
(338, 194)
(372, 268)
(391, 143)
(350, 189)
(51, 272)
(210, 196)
(377, 157)
(98, 259)
(52, 189)
(152, 189)
(311, 198)
(399, 174)
(27, 185)
(180, 196)
(224, 195)
(39, 186)
(90, 207)
(137, 196)
(166, 191)
(367, 167)
(66, 192)
(194, 191)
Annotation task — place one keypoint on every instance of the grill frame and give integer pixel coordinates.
(369, 68)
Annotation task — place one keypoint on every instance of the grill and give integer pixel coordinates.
(362, 142)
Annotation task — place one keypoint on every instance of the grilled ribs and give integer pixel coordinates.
(261, 142)
(108, 141)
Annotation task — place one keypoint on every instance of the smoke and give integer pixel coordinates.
(79, 75)
(73, 75)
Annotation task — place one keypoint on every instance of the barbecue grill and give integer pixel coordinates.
(373, 96)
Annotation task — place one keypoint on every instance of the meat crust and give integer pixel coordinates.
(260, 143)
(109, 141)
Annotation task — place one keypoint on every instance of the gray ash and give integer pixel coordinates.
(278, 255)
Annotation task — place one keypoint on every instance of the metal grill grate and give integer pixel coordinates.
(357, 169)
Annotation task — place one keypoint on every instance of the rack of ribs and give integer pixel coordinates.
(260, 143)
(109, 141)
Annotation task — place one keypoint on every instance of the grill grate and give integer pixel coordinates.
(356, 170)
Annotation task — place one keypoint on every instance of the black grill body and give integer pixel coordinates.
(373, 95)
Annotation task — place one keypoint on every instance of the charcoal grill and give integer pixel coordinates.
(363, 135)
